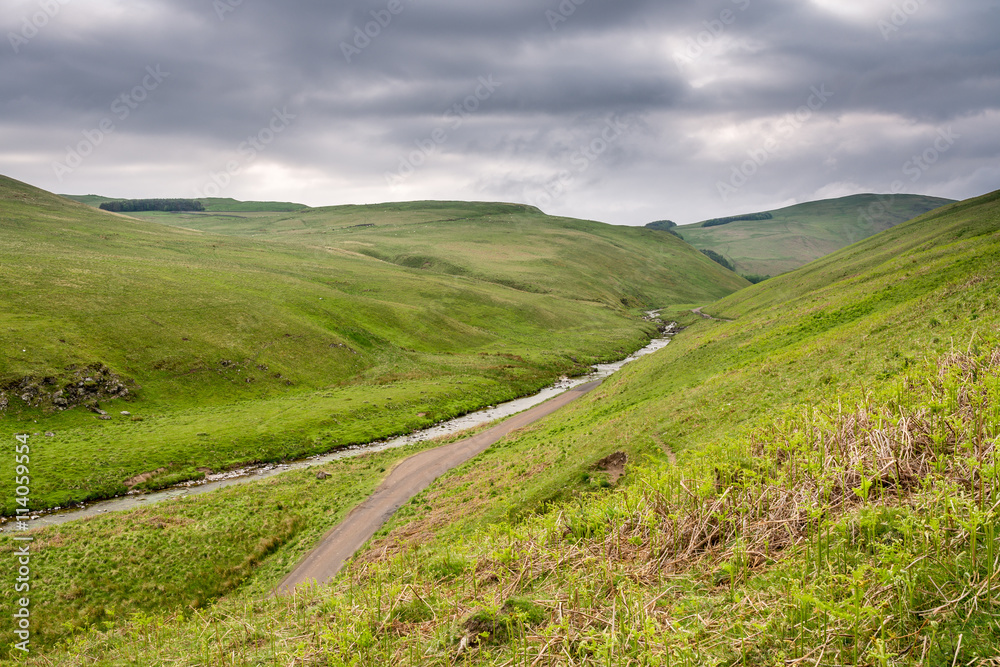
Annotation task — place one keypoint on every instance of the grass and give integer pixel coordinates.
(814, 482)
(506, 244)
(215, 204)
(187, 552)
(94, 201)
(833, 499)
(802, 233)
(232, 205)
(889, 552)
(244, 347)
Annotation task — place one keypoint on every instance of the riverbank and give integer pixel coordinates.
(249, 473)
(195, 548)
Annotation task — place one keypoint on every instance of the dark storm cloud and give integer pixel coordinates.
(385, 99)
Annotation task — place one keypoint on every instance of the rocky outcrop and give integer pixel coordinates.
(88, 386)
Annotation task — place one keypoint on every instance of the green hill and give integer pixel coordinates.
(89, 200)
(508, 244)
(235, 206)
(228, 350)
(814, 482)
(214, 204)
(799, 234)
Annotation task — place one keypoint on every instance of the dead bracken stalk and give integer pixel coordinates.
(809, 469)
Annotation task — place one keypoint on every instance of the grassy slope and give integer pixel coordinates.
(235, 206)
(508, 244)
(249, 349)
(853, 348)
(94, 201)
(800, 234)
(215, 204)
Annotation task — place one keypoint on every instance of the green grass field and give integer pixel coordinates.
(800, 234)
(507, 244)
(815, 482)
(214, 204)
(265, 346)
(234, 206)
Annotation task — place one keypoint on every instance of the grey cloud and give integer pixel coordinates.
(561, 79)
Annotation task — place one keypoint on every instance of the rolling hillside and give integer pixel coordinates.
(814, 482)
(226, 350)
(508, 244)
(799, 234)
(215, 204)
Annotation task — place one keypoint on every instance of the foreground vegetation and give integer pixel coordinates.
(814, 482)
(139, 355)
(771, 243)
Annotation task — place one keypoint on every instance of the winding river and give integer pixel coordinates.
(251, 473)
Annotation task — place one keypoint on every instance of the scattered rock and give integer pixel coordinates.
(672, 329)
(79, 386)
(50, 434)
(614, 465)
(322, 475)
(103, 417)
(126, 413)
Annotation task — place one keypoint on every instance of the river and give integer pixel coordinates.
(255, 472)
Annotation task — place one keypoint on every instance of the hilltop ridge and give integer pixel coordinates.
(787, 238)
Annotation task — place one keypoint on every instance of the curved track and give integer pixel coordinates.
(406, 480)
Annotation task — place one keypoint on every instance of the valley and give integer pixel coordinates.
(740, 449)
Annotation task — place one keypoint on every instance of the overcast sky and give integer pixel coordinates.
(624, 111)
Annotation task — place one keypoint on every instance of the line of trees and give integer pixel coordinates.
(718, 259)
(718, 222)
(662, 224)
(139, 205)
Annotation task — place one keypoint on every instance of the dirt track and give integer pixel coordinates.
(697, 311)
(404, 482)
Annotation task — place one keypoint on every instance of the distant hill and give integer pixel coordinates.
(235, 206)
(509, 244)
(774, 242)
(213, 204)
(90, 200)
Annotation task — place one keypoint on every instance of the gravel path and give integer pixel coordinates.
(406, 480)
